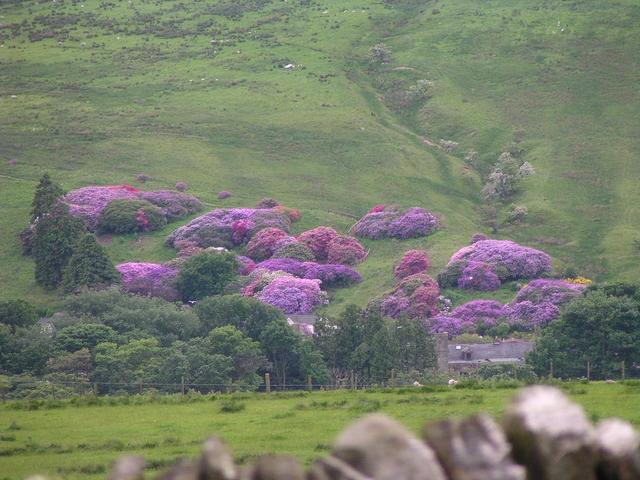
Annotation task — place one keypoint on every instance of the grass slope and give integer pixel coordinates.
(196, 92)
(296, 423)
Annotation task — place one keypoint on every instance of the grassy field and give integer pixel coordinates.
(97, 92)
(81, 441)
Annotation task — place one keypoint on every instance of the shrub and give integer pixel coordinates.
(245, 265)
(332, 275)
(413, 261)
(128, 216)
(87, 203)
(227, 227)
(415, 296)
(478, 276)
(394, 222)
(469, 318)
(88, 267)
(259, 279)
(17, 313)
(292, 213)
(295, 250)
(345, 250)
(379, 54)
(318, 240)
(290, 265)
(267, 203)
(149, 279)
(292, 295)
(507, 259)
(174, 205)
(224, 194)
(181, 186)
(263, 243)
(206, 274)
(477, 237)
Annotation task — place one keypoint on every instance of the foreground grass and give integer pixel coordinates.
(80, 441)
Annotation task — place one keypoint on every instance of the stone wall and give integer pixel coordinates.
(543, 436)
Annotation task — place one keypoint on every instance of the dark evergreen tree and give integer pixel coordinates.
(46, 196)
(56, 237)
(17, 313)
(206, 274)
(88, 267)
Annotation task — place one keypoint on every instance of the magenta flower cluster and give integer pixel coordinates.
(467, 318)
(245, 265)
(539, 302)
(415, 296)
(293, 295)
(393, 222)
(318, 240)
(412, 262)
(346, 250)
(228, 227)
(478, 276)
(88, 203)
(149, 279)
(264, 243)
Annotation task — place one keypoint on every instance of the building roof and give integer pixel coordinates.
(309, 319)
(506, 352)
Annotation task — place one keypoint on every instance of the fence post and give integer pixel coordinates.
(182, 384)
(140, 387)
(588, 371)
(622, 369)
(353, 382)
(95, 388)
(309, 384)
(53, 391)
(393, 377)
(267, 382)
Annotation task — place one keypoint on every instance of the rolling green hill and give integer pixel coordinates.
(97, 92)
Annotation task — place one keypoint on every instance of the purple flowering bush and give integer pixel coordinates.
(539, 302)
(259, 278)
(345, 250)
(471, 317)
(292, 295)
(175, 205)
(506, 259)
(245, 265)
(228, 227)
(181, 186)
(290, 265)
(394, 222)
(318, 240)
(478, 276)
(332, 275)
(149, 279)
(224, 194)
(413, 261)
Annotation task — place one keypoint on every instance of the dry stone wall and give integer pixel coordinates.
(543, 436)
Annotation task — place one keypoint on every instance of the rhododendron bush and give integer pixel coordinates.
(331, 275)
(506, 259)
(468, 318)
(88, 203)
(478, 276)
(296, 250)
(263, 244)
(345, 250)
(149, 279)
(293, 295)
(318, 240)
(539, 302)
(228, 227)
(413, 261)
(394, 222)
(415, 296)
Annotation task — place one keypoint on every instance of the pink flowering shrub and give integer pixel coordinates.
(263, 244)
(345, 250)
(149, 279)
(478, 276)
(181, 186)
(292, 295)
(507, 259)
(224, 194)
(332, 275)
(175, 205)
(472, 317)
(539, 302)
(292, 213)
(87, 203)
(415, 296)
(228, 227)
(413, 261)
(318, 240)
(393, 222)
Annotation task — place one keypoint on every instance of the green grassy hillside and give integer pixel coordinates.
(97, 92)
(296, 423)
